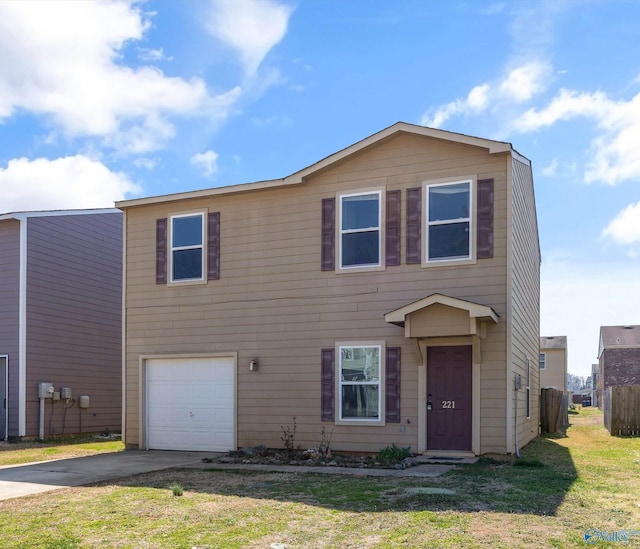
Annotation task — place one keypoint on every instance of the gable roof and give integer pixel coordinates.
(299, 177)
(553, 342)
(475, 310)
(619, 337)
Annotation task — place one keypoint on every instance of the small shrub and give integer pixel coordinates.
(325, 443)
(393, 454)
(288, 437)
(177, 489)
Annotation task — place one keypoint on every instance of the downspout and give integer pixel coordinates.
(515, 430)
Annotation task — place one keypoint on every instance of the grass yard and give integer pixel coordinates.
(563, 487)
(30, 452)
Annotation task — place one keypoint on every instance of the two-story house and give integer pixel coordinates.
(60, 322)
(388, 293)
(553, 362)
(618, 357)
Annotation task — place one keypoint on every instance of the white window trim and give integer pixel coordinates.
(472, 219)
(202, 247)
(379, 266)
(380, 421)
(543, 360)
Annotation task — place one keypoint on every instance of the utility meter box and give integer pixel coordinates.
(65, 392)
(84, 401)
(45, 389)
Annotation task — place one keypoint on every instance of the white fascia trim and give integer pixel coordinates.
(22, 331)
(56, 213)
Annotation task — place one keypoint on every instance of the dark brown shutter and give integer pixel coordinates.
(392, 230)
(161, 251)
(213, 246)
(392, 382)
(327, 385)
(485, 219)
(414, 225)
(328, 250)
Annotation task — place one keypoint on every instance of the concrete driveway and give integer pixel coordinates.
(34, 478)
(23, 480)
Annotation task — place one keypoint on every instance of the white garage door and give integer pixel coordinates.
(190, 404)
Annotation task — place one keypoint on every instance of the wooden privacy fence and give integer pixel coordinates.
(554, 411)
(622, 410)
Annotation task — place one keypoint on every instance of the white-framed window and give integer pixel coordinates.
(448, 221)
(360, 230)
(543, 361)
(186, 238)
(360, 383)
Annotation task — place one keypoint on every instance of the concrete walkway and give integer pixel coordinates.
(23, 480)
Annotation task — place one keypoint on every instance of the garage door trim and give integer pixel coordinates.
(143, 423)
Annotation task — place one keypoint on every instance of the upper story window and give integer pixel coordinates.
(360, 221)
(448, 221)
(187, 247)
(543, 361)
(360, 383)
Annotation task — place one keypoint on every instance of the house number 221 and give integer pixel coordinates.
(448, 403)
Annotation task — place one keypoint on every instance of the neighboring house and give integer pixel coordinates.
(388, 294)
(553, 363)
(595, 384)
(60, 322)
(618, 357)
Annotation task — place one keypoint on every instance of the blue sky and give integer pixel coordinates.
(101, 101)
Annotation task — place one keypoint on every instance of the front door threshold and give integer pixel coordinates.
(445, 456)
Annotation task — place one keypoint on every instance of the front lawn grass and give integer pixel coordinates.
(18, 453)
(565, 486)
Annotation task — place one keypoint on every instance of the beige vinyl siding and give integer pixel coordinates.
(555, 374)
(273, 302)
(524, 295)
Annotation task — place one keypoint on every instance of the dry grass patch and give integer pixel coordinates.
(18, 453)
(586, 480)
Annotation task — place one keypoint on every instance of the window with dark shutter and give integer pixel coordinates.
(328, 250)
(392, 385)
(213, 246)
(327, 385)
(414, 225)
(392, 230)
(485, 219)
(161, 251)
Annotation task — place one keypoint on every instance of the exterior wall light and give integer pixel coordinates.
(253, 365)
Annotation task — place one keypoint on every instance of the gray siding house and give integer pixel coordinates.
(60, 322)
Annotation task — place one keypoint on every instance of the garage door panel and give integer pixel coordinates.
(190, 404)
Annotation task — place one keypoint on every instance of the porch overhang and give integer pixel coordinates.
(438, 315)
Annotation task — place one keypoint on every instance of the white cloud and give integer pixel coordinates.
(250, 27)
(207, 162)
(64, 183)
(551, 170)
(476, 101)
(523, 82)
(61, 60)
(614, 152)
(625, 227)
(519, 85)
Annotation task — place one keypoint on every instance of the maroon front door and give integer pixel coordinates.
(449, 398)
